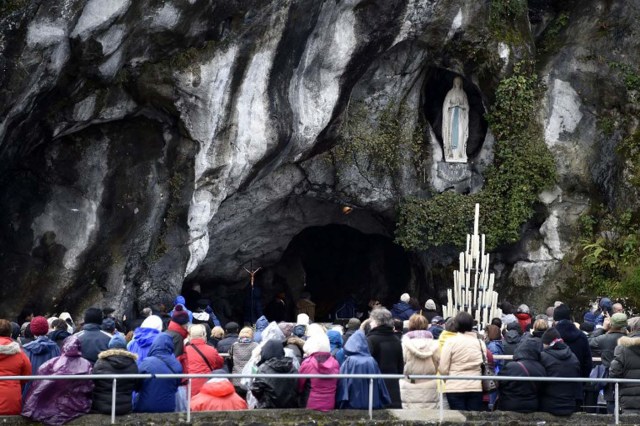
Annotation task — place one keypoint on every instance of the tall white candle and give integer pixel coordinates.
(476, 219)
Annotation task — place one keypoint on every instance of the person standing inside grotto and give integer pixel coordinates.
(276, 310)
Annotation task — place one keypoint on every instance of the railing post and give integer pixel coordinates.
(189, 401)
(617, 403)
(441, 396)
(113, 401)
(371, 399)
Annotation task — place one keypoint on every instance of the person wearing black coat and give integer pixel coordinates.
(512, 338)
(386, 349)
(231, 336)
(522, 397)
(115, 360)
(558, 361)
(275, 392)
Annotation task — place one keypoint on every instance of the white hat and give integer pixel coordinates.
(317, 343)
(302, 319)
(430, 305)
(152, 321)
(405, 297)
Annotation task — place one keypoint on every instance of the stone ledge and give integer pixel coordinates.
(300, 417)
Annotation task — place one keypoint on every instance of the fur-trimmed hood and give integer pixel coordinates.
(10, 348)
(629, 341)
(295, 340)
(420, 347)
(117, 352)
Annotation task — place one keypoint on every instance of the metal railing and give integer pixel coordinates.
(370, 377)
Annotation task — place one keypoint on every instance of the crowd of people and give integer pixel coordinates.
(403, 340)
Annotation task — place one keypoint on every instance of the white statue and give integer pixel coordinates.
(455, 124)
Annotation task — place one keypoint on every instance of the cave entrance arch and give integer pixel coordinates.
(333, 262)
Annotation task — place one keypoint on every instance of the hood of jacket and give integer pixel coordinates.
(522, 316)
(180, 300)
(271, 349)
(119, 359)
(295, 340)
(324, 363)
(41, 345)
(528, 349)
(71, 347)
(512, 336)
(568, 330)
(357, 345)
(218, 387)
(8, 347)
(559, 351)
(56, 335)
(145, 336)
(631, 342)
(335, 339)
(262, 323)
(419, 347)
(280, 365)
(162, 345)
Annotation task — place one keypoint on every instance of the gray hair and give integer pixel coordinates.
(633, 324)
(382, 316)
(146, 312)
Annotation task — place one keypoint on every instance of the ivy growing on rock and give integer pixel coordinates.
(523, 167)
(380, 147)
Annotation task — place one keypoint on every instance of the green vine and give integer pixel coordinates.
(380, 147)
(608, 262)
(523, 167)
(502, 16)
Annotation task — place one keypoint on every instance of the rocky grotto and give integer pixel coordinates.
(151, 144)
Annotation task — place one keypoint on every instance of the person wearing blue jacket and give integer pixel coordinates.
(335, 340)
(402, 310)
(144, 336)
(158, 395)
(354, 393)
(261, 324)
(180, 301)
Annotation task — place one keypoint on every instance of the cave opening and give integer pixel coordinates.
(335, 262)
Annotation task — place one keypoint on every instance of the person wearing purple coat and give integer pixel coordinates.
(56, 402)
(320, 394)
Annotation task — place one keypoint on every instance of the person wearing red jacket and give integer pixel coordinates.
(201, 358)
(218, 395)
(13, 362)
(524, 318)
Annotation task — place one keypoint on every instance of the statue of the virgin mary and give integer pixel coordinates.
(455, 124)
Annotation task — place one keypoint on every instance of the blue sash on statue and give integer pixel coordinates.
(455, 127)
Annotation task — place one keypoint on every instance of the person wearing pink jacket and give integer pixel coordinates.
(318, 394)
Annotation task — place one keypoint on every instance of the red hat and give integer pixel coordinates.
(39, 326)
(180, 316)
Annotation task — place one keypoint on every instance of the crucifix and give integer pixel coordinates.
(253, 274)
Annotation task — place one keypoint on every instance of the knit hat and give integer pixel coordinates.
(180, 316)
(39, 326)
(117, 342)
(152, 321)
(302, 319)
(231, 327)
(93, 316)
(405, 297)
(561, 312)
(317, 343)
(430, 305)
(353, 324)
(550, 335)
(618, 320)
(197, 331)
(108, 324)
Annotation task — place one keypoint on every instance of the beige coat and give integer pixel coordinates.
(462, 356)
(421, 356)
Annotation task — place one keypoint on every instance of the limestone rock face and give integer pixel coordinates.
(146, 143)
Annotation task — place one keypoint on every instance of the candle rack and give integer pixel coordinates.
(473, 290)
